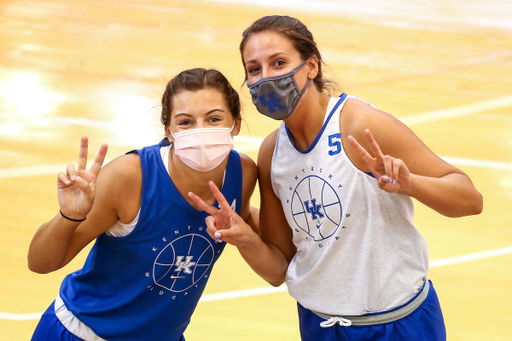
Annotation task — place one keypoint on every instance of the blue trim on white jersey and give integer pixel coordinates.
(342, 98)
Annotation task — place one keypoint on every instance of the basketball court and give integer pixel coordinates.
(99, 68)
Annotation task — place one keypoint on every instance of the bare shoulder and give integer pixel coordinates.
(119, 186)
(249, 168)
(249, 177)
(267, 150)
(271, 139)
(393, 137)
(124, 167)
(357, 115)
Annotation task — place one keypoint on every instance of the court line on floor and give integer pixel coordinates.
(433, 264)
(270, 290)
(464, 110)
(426, 117)
(19, 172)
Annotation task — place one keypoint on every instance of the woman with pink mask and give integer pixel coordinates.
(152, 257)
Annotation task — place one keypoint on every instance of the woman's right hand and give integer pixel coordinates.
(76, 187)
(226, 225)
(223, 224)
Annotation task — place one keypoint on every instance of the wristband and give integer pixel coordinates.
(75, 220)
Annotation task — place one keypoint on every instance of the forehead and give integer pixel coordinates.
(197, 102)
(266, 44)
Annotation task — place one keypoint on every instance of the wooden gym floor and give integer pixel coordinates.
(98, 68)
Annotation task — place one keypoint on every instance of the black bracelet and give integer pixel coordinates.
(75, 220)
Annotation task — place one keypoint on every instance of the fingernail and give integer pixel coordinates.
(218, 235)
(394, 182)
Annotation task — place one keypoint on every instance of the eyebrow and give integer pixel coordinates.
(271, 56)
(208, 113)
(214, 111)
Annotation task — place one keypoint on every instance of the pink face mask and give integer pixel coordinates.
(203, 149)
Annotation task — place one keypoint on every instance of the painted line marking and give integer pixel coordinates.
(242, 293)
(83, 122)
(20, 317)
(478, 163)
(19, 172)
(426, 117)
(270, 290)
(471, 257)
(464, 110)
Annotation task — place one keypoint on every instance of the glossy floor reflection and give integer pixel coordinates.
(77, 68)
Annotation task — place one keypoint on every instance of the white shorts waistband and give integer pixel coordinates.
(371, 319)
(72, 323)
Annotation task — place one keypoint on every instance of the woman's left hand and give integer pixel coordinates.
(392, 173)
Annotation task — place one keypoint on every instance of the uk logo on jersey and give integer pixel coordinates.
(182, 263)
(316, 207)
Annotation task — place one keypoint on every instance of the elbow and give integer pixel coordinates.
(474, 202)
(478, 204)
(40, 268)
(277, 280)
(275, 283)
(473, 206)
(37, 269)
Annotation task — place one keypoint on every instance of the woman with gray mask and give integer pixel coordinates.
(152, 257)
(336, 182)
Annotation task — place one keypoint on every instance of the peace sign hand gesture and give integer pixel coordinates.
(223, 224)
(392, 173)
(76, 189)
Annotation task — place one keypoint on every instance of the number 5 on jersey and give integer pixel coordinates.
(335, 144)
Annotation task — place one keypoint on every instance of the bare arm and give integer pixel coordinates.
(263, 254)
(249, 213)
(58, 241)
(402, 163)
(275, 232)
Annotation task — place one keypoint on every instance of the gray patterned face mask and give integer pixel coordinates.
(277, 96)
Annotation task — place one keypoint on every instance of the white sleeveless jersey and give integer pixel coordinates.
(358, 251)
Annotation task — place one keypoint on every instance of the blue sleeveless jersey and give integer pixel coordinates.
(146, 285)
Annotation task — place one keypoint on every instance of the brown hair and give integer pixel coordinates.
(300, 37)
(195, 80)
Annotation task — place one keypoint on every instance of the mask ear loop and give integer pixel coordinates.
(305, 88)
(172, 135)
(233, 127)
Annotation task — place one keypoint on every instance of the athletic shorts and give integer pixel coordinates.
(425, 323)
(50, 328)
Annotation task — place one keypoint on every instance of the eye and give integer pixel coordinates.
(279, 62)
(253, 69)
(215, 119)
(183, 122)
